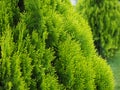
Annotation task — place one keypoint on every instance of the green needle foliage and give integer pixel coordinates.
(103, 17)
(79, 30)
(46, 45)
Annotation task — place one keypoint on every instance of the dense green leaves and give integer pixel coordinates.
(103, 80)
(48, 47)
(103, 17)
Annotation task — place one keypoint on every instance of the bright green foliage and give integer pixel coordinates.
(84, 78)
(104, 77)
(103, 17)
(10, 64)
(78, 28)
(71, 67)
(47, 48)
(27, 59)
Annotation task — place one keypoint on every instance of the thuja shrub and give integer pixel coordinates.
(79, 30)
(64, 64)
(77, 27)
(71, 67)
(25, 54)
(46, 19)
(84, 77)
(42, 70)
(103, 17)
(9, 13)
(26, 65)
(42, 52)
(104, 79)
(10, 73)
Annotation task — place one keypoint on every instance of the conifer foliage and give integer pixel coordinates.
(103, 17)
(46, 45)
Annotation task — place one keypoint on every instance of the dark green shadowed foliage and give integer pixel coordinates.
(103, 17)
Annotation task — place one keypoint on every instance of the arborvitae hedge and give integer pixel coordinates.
(103, 80)
(80, 31)
(103, 17)
(49, 48)
(71, 66)
(78, 28)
